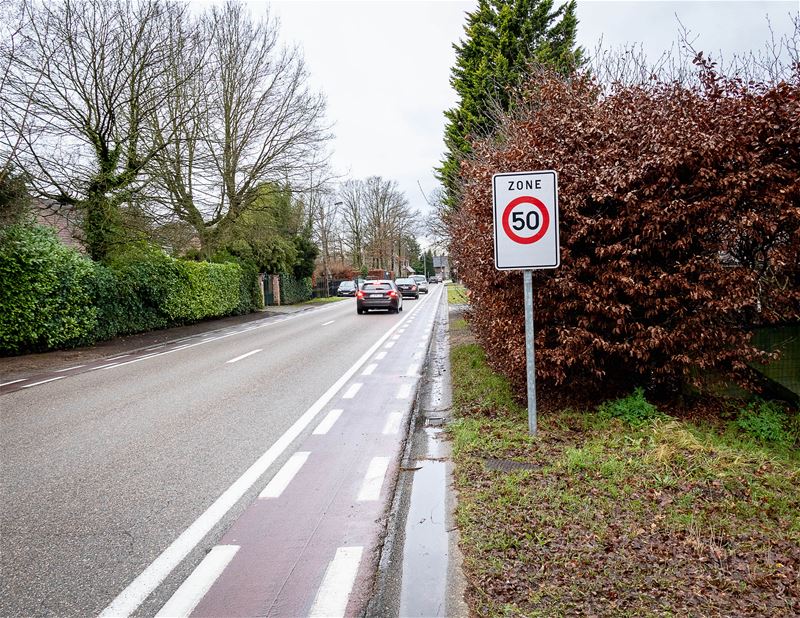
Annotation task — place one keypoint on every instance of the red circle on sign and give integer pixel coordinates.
(536, 203)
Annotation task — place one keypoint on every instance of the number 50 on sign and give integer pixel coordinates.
(526, 220)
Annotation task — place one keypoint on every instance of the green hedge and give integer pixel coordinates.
(295, 290)
(53, 297)
(45, 296)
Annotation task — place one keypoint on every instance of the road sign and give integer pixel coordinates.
(526, 220)
(525, 208)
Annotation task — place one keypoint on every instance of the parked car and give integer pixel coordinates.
(407, 287)
(346, 288)
(422, 283)
(379, 294)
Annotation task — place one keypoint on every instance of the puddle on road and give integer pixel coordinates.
(424, 581)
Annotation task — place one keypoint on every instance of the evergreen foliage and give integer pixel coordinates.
(45, 298)
(53, 297)
(502, 39)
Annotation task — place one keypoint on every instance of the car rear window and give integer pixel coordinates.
(377, 286)
(404, 281)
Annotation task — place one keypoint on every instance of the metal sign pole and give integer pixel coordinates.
(529, 351)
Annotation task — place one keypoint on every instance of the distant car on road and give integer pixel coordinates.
(407, 287)
(346, 288)
(422, 283)
(433, 280)
(379, 294)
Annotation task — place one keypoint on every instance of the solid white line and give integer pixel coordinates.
(44, 381)
(413, 369)
(404, 391)
(284, 476)
(20, 380)
(238, 358)
(199, 582)
(118, 357)
(331, 322)
(369, 369)
(351, 392)
(334, 592)
(326, 424)
(392, 425)
(148, 580)
(69, 368)
(389, 345)
(373, 480)
(380, 356)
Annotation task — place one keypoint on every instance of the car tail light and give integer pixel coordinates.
(359, 294)
(413, 287)
(392, 294)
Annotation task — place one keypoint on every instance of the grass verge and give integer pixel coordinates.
(652, 517)
(457, 294)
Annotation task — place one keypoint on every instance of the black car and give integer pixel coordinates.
(379, 294)
(346, 288)
(407, 287)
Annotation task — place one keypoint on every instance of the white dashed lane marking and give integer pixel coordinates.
(404, 391)
(284, 476)
(392, 425)
(199, 582)
(369, 369)
(68, 369)
(326, 424)
(238, 358)
(334, 592)
(351, 392)
(44, 382)
(373, 480)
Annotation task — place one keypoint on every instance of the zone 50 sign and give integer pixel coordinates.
(525, 220)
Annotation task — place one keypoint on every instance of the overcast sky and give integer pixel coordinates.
(385, 66)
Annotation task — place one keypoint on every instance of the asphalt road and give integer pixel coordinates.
(104, 468)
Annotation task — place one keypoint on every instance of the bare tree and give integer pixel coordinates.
(87, 78)
(255, 124)
(352, 213)
(387, 218)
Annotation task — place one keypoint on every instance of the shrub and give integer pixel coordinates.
(203, 290)
(249, 294)
(679, 225)
(633, 409)
(45, 298)
(53, 297)
(766, 423)
(295, 290)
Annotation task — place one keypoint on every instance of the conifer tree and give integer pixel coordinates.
(503, 37)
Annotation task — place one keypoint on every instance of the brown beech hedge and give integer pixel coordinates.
(680, 229)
